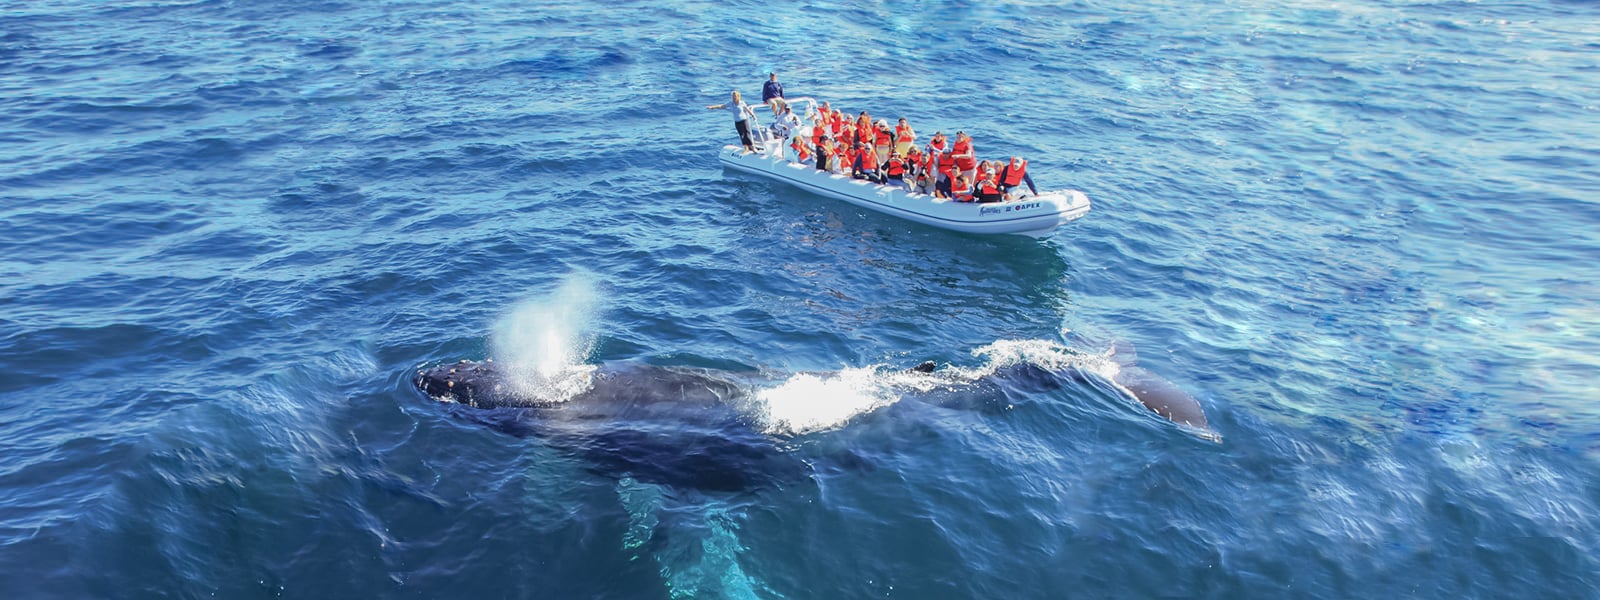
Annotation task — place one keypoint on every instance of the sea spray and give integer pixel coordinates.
(542, 342)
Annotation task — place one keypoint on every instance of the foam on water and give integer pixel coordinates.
(1045, 354)
(810, 402)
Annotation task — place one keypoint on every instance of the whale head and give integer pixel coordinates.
(475, 384)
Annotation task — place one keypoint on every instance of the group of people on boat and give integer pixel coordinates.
(874, 151)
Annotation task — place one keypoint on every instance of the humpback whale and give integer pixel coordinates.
(691, 427)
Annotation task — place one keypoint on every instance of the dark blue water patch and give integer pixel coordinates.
(14, 44)
(58, 229)
(50, 354)
(329, 50)
(565, 64)
(234, 93)
(145, 158)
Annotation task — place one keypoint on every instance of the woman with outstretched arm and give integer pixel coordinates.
(741, 116)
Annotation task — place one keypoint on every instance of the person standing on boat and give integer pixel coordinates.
(741, 114)
(966, 157)
(772, 90)
(904, 138)
(882, 140)
(1014, 173)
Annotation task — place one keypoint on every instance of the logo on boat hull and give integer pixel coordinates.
(995, 210)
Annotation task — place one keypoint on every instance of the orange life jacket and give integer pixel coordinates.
(964, 159)
(936, 146)
(897, 167)
(988, 187)
(869, 160)
(961, 191)
(883, 137)
(947, 162)
(800, 149)
(1016, 173)
(903, 133)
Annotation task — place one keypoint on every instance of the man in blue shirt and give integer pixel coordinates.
(771, 90)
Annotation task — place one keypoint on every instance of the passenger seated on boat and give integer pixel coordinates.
(938, 143)
(894, 172)
(905, 140)
(961, 190)
(946, 167)
(1015, 173)
(989, 189)
(802, 154)
(926, 176)
(843, 156)
(866, 165)
(824, 154)
(772, 93)
(787, 122)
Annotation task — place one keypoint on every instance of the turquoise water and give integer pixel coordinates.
(1362, 234)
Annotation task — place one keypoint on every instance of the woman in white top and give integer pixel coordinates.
(741, 112)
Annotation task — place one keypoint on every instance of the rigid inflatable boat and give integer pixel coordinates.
(1030, 215)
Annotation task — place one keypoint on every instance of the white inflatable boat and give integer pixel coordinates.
(1033, 215)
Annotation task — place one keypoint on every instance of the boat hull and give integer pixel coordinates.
(1033, 216)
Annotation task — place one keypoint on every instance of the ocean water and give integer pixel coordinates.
(1363, 234)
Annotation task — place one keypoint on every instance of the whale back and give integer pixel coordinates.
(1163, 397)
(672, 426)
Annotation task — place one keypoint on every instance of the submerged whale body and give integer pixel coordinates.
(688, 427)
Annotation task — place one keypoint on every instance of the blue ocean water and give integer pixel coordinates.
(1363, 234)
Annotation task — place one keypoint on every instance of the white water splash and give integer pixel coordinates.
(542, 343)
(1044, 354)
(809, 402)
